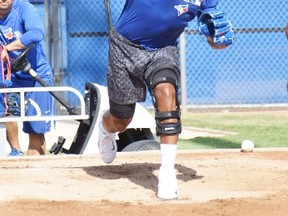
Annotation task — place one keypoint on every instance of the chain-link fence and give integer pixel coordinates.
(251, 72)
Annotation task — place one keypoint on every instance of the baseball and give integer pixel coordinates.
(247, 146)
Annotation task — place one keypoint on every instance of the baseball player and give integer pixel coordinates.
(21, 26)
(143, 53)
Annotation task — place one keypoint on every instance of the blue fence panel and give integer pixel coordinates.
(251, 71)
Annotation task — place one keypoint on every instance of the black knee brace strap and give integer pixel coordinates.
(168, 128)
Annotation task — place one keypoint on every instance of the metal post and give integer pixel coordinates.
(56, 67)
(108, 13)
(47, 30)
(182, 48)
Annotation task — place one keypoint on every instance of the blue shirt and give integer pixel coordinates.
(24, 23)
(157, 23)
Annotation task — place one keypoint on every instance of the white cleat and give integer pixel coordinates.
(107, 145)
(167, 185)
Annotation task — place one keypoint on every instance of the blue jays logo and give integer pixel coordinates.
(181, 9)
(8, 33)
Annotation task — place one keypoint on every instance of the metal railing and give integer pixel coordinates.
(39, 116)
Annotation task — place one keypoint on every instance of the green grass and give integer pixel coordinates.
(263, 129)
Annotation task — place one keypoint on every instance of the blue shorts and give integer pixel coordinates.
(42, 100)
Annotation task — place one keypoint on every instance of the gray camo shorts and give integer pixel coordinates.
(130, 65)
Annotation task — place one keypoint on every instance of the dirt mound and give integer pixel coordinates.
(218, 182)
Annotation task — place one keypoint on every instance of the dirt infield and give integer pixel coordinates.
(218, 182)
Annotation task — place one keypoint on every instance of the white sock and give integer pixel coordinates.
(168, 156)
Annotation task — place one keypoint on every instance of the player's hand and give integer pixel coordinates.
(214, 24)
(213, 45)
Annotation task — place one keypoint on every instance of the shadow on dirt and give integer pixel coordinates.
(143, 174)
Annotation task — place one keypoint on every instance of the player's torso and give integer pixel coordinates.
(157, 19)
(11, 27)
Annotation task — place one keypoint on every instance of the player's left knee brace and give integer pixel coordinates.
(167, 74)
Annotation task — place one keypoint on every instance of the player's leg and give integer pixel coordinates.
(114, 120)
(12, 138)
(12, 131)
(37, 144)
(118, 117)
(125, 87)
(163, 83)
(167, 186)
(37, 129)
